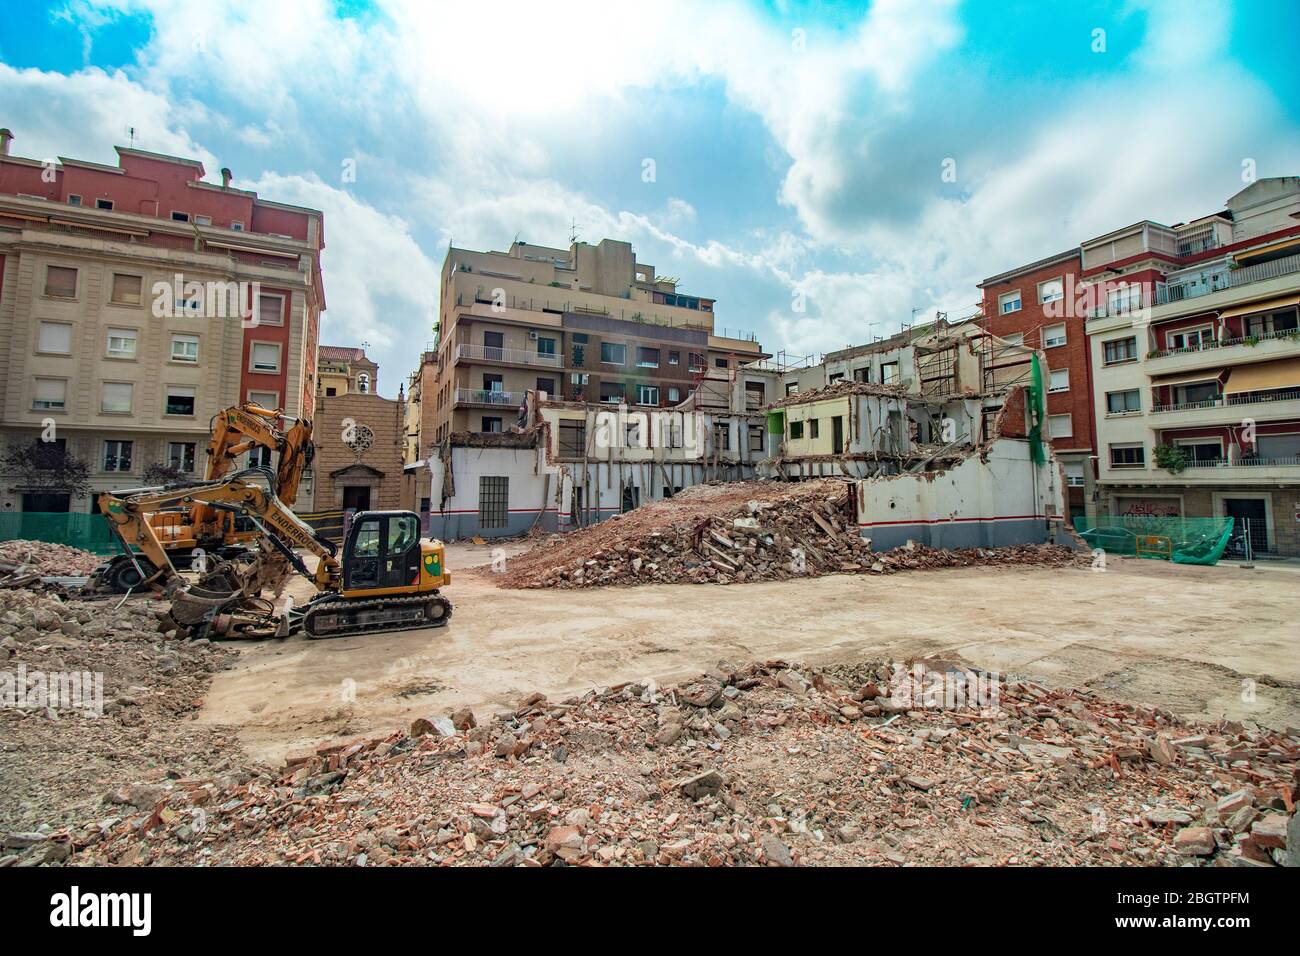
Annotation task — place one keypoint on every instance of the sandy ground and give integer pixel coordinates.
(1186, 638)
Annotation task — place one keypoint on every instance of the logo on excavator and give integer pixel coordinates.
(431, 565)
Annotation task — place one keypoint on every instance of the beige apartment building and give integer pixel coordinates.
(135, 302)
(588, 323)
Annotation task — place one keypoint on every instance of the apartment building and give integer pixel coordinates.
(1196, 354)
(588, 323)
(343, 370)
(1031, 306)
(135, 301)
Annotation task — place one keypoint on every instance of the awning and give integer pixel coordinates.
(1187, 379)
(1291, 243)
(1283, 373)
(1268, 305)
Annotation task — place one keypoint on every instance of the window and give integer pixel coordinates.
(1128, 456)
(796, 430)
(269, 400)
(862, 374)
(1060, 380)
(719, 363)
(117, 397)
(1119, 350)
(180, 400)
(792, 388)
(1013, 338)
(203, 220)
(491, 423)
(270, 310)
(696, 362)
(611, 353)
(126, 289)
(1201, 449)
(579, 356)
(185, 348)
(331, 392)
(61, 282)
(259, 457)
(1197, 393)
(494, 383)
(493, 501)
(1053, 335)
(1191, 338)
(889, 373)
(674, 358)
(54, 338)
(50, 395)
(546, 385)
(611, 392)
(674, 394)
(180, 216)
(1073, 474)
(647, 395)
(117, 455)
(814, 427)
(1124, 299)
(74, 199)
(121, 343)
(237, 226)
(1009, 302)
(755, 437)
(1060, 426)
(265, 357)
(573, 437)
(722, 436)
(1051, 290)
(180, 455)
(1123, 403)
(363, 383)
(103, 204)
(834, 377)
(647, 358)
(546, 346)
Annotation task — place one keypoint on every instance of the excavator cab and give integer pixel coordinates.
(382, 553)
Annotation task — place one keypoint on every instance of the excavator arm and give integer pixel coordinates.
(232, 584)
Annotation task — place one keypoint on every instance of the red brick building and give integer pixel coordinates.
(1036, 305)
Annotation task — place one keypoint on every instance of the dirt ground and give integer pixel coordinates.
(1186, 638)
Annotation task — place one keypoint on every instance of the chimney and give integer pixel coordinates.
(6, 138)
(225, 177)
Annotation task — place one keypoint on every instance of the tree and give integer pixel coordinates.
(160, 474)
(46, 466)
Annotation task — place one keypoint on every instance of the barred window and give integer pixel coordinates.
(493, 501)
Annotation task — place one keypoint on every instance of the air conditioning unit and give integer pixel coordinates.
(532, 336)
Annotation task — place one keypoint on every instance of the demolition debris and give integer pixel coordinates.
(24, 563)
(723, 533)
(769, 763)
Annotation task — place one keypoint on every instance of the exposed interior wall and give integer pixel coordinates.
(995, 498)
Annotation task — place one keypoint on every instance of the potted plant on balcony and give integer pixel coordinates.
(1172, 458)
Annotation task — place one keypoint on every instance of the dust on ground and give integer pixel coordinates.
(1180, 637)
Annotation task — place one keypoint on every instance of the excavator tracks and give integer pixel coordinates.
(342, 617)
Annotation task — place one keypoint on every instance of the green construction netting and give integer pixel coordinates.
(86, 531)
(1181, 540)
(1039, 412)
(776, 423)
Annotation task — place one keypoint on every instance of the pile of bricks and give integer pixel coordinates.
(748, 531)
(769, 763)
(24, 562)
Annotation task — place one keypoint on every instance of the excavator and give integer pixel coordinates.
(386, 579)
(216, 532)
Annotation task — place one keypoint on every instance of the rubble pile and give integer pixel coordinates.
(92, 697)
(736, 532)
(764, 764)
(25, 562)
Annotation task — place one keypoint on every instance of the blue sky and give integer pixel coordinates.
(798, 148)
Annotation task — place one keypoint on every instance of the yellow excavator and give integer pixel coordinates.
(388, 578)
(200, 527)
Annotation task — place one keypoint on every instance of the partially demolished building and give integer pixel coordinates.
(936, 457)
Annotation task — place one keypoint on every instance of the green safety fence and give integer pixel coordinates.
(1181, 540)
(86, 531)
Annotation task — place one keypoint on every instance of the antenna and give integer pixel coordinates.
(131, 130)
(573, 230)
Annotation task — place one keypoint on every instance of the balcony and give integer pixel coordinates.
(502, 356)
(1255, 348)
(488, 398)
(1235, 278)
(1227, 410)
